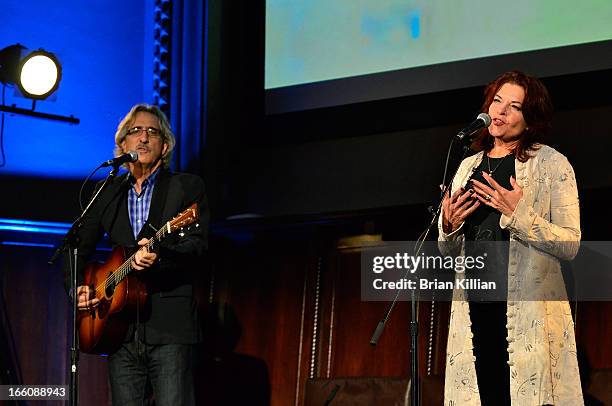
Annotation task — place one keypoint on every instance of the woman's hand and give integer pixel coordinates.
(494, 195)
(456, 208)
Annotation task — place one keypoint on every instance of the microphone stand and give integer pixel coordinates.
(414, 324)
(71, 241)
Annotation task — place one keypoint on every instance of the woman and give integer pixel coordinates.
(523, 351)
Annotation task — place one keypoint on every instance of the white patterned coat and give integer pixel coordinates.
(544, 228)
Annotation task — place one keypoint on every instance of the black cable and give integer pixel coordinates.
(11, 372)
(3, 163)
(448, 154)
(83, 186)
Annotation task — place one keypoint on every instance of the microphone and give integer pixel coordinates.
(131, 156)
(483, 120)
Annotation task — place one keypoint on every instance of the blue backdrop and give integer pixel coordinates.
(105, 48)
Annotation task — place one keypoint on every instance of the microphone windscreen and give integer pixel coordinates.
(486, 118)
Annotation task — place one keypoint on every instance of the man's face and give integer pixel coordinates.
(144, 137)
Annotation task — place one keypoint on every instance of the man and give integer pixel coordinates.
(159, 346)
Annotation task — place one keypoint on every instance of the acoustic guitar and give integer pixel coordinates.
(121, 292)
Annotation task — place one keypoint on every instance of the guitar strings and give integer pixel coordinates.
(125, 268)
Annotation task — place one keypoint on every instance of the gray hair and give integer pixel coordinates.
(166, 132)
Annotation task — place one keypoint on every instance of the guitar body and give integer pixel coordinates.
(122, 294)
(102, 330)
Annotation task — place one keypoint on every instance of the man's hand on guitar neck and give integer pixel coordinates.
(143, 258)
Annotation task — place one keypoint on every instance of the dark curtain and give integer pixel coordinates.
(188, 83)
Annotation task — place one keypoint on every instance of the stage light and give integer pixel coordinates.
(36, 74)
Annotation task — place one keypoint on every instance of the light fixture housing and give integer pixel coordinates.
(36, 74)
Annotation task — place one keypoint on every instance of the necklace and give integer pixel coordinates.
(491, 171)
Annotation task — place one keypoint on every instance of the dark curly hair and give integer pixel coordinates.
(537, 111)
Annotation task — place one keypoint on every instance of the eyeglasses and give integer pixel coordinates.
(152, 132)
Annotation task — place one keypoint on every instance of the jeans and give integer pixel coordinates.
(169, 367)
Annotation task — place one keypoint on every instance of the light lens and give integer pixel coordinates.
(39, 75)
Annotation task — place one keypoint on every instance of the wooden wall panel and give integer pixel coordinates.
(296, 300)
(350, 322)
(355, 321)
(271, 291)
(593, 328)
(39, 316)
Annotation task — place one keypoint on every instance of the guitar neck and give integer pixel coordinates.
(125, 268)
(185, 218)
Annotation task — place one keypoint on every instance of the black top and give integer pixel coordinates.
(483, 235)
(482, 227)
(483, 224)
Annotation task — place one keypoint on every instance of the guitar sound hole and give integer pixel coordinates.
(110, 289)
(103, 308)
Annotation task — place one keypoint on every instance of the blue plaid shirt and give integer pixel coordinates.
(139, 204)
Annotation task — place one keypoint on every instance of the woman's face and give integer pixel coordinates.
(506, 111)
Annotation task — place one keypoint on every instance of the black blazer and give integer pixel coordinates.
(172, 315)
